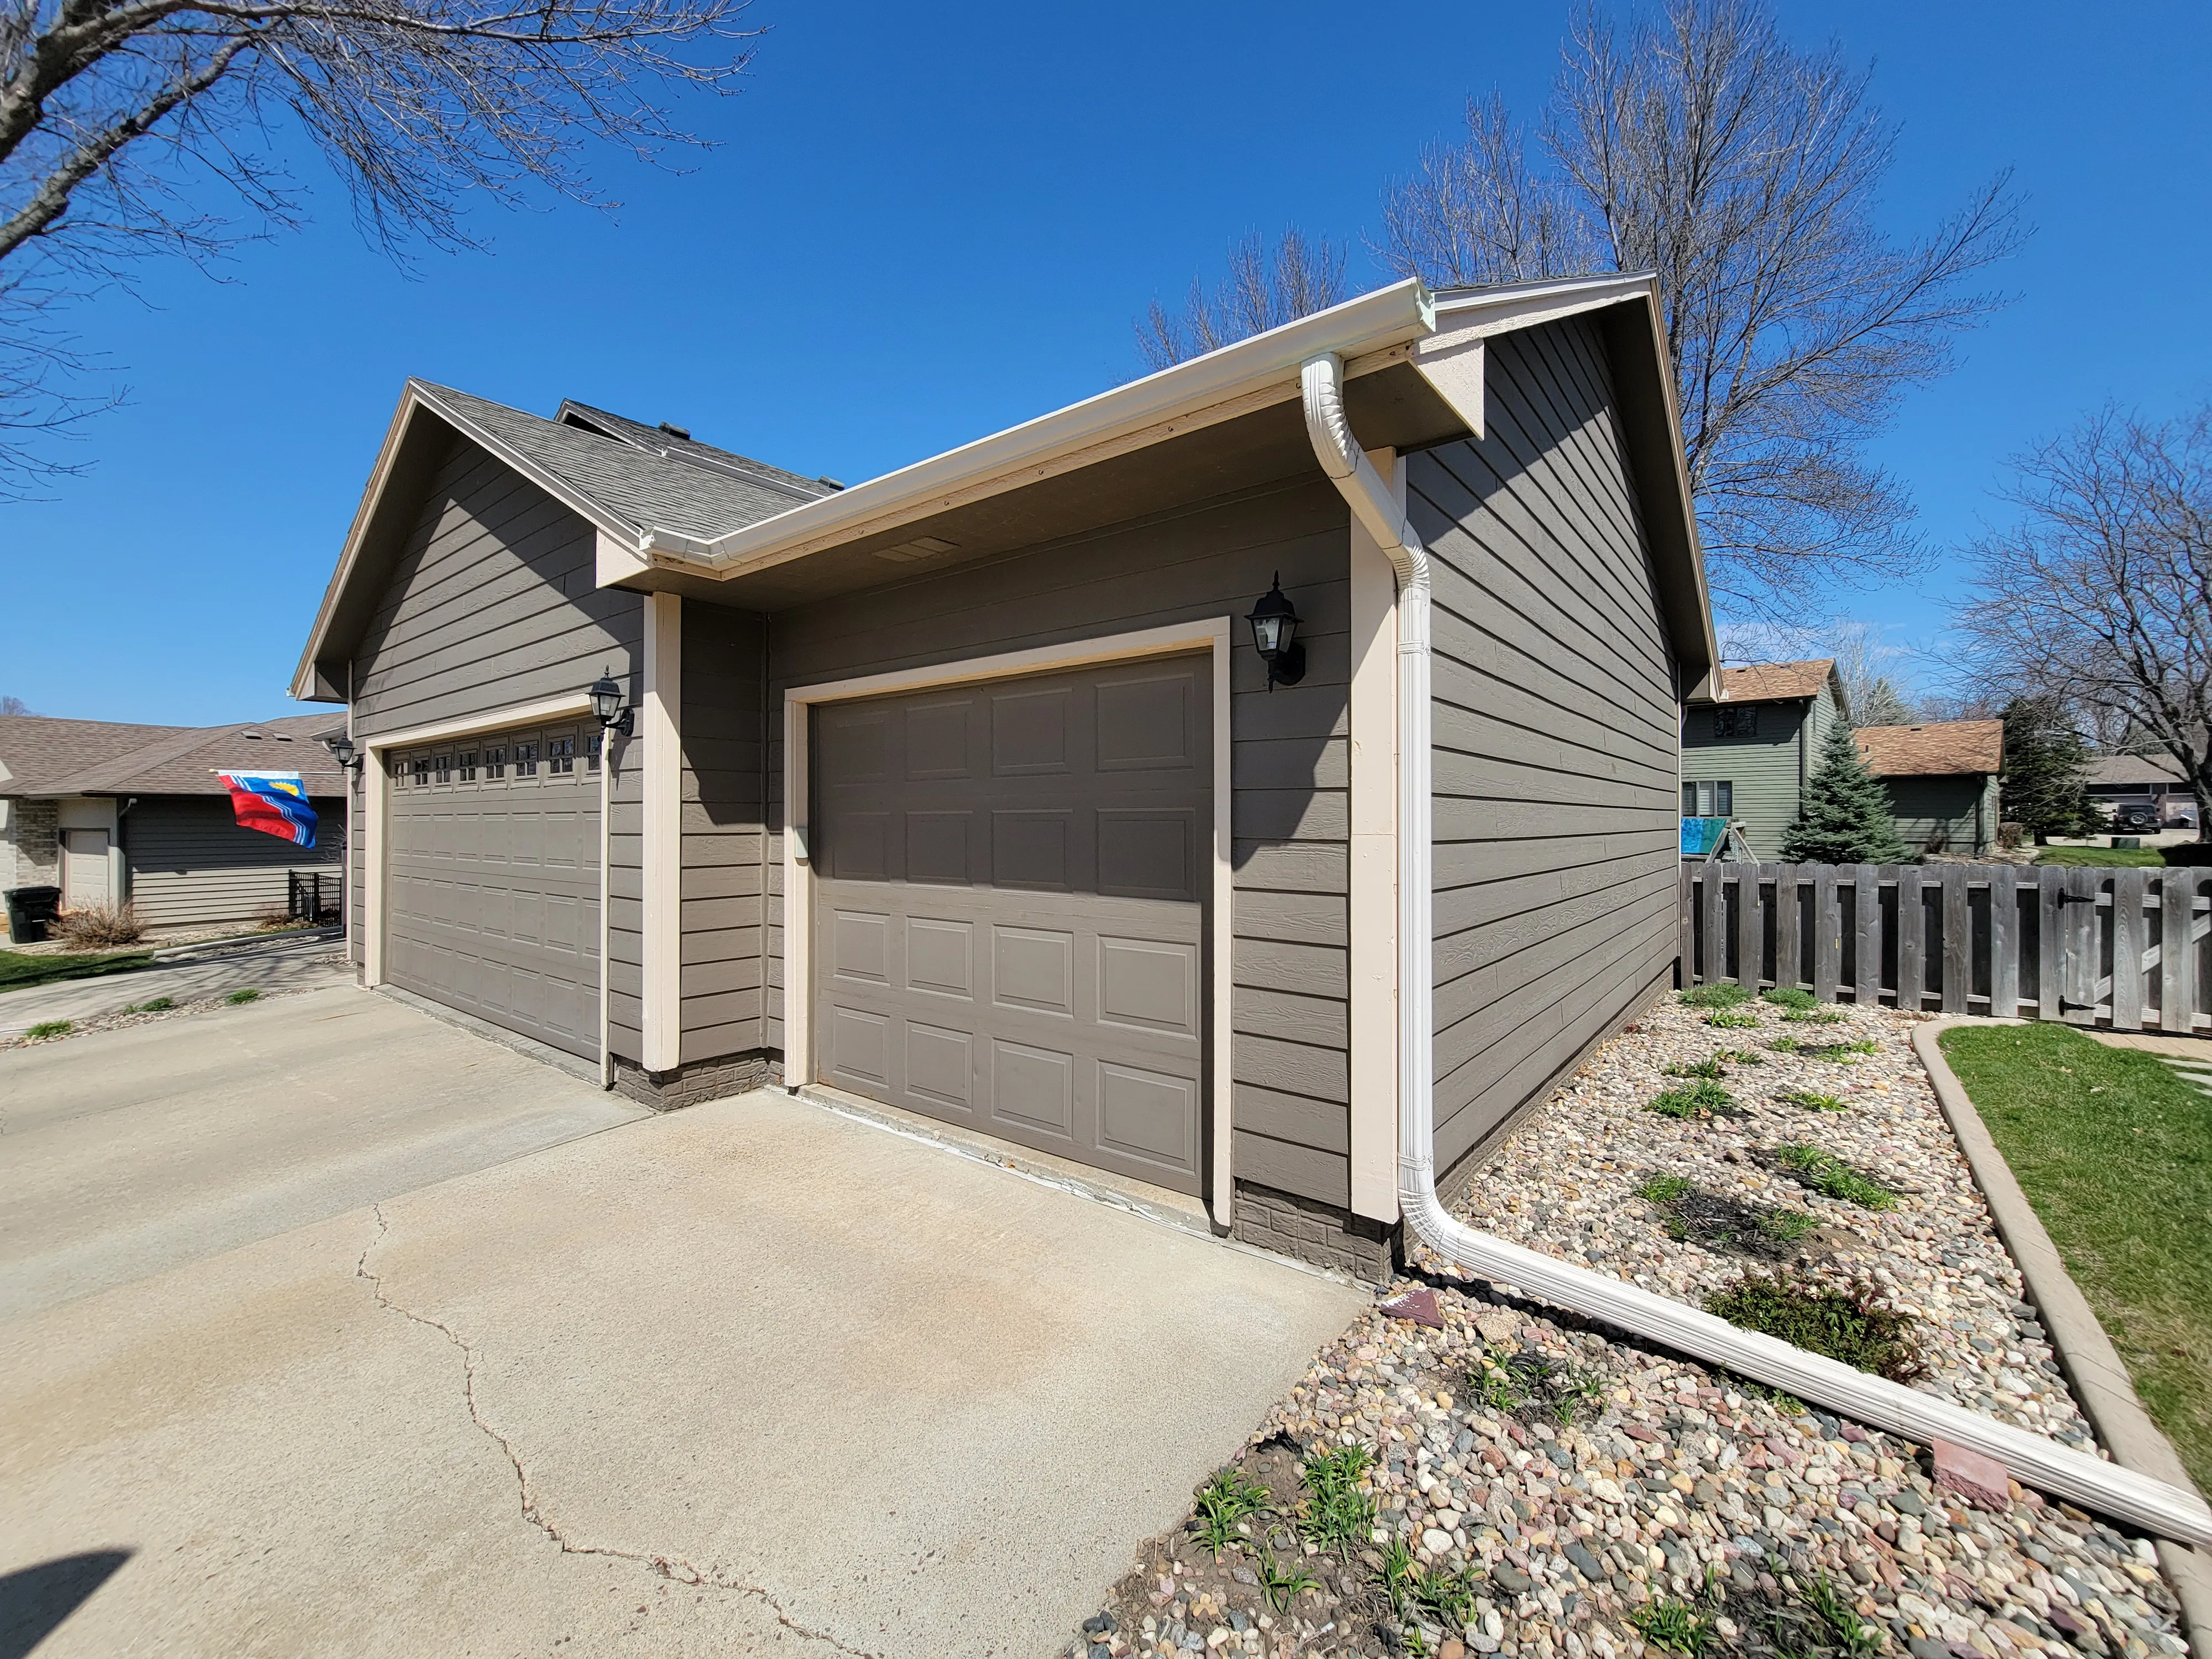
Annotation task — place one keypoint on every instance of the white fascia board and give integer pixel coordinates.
(1512, 306)
(1249, 374)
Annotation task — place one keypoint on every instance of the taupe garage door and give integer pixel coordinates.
(1011, 909)
(492, 881)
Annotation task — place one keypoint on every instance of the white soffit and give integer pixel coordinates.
(1452, 365)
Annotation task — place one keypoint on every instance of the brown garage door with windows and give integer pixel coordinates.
(1012, 883)
(492, 880)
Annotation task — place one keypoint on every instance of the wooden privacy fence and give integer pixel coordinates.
(2130, 949)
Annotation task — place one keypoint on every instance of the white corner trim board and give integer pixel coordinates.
(2032, 1459)
(659, 706)
(1373, 899)
(1212, 634)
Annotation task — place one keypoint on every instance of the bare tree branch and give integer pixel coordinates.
(1702, 146)
(118, 121)
(1261, 290)
(2101, 594)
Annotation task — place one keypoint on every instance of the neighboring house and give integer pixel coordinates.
(107, 812)
(1748, 749)
(965, 791)
(1943, 782)
(2150, 784)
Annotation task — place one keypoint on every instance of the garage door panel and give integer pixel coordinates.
(492, 889)
(1032, 861)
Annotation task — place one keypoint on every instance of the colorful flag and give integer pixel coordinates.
(274, 802)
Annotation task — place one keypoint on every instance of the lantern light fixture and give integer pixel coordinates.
(342, 749)
(1274, 622)
(607, 705)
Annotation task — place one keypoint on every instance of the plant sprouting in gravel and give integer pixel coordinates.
(1733, 1019)
(1678, 1627)
(1785, 1045)
(1398, 1572)
(1824, 1172)
(1339, 1512)
(1711, 1068)
(1811, 1101)
(1719, 995)
(1666, 1188)
(238, 998)
(49, 1028)
(1740, 1056)
(1792, 997)
(1787, 1226)
(1704, 1098)
(1493, 1384)
(1283, 1581)
(1446, 1596)
(1844, 1322)
(1816, 1016)
(1689, 1213)
(1229, 1497)
(1834, 1609)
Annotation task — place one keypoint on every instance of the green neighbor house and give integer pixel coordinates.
(1943, 782)
(1748, 751)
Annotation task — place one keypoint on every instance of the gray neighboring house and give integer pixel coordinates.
(1748, 749)
(2152, 784)
(1942, 779)
(108, 811)
(964, 791)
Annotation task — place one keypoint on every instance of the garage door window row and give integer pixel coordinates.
(514, 760)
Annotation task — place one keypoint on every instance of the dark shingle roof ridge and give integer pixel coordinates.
(628, 485)
(654, 441)
(123, 771)
(28, 742)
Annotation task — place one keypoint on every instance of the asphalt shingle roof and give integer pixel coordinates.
(1764, 682)
(702, 492)
(1936, 749)
(104, 758)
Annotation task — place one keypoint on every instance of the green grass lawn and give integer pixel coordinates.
(18, 969)
(2115, 1151)
(2103, 858)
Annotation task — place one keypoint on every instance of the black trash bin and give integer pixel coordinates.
(29, 910)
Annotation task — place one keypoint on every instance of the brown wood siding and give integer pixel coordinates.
(190, 862)
(723, 889)
(1556, 734)
(493, 605)
(1288, 763)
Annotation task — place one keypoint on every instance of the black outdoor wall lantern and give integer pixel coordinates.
(607, 706)
(1275, 635)
(341, 748)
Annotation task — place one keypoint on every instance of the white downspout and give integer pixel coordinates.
(2032, 1459)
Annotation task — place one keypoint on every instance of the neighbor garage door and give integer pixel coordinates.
(492, 873)
(1011, 909)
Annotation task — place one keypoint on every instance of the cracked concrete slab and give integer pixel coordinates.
(750, 1378)
(131, 1152)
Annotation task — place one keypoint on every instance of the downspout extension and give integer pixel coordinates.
(2032, 1459)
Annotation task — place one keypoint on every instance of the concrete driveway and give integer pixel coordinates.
(125, 1153)
(749, 1378)
(296, 961)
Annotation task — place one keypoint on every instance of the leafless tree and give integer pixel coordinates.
(1262, 290)
(1703, 146)
(14, 706)
(129, 127)
(2101, 593)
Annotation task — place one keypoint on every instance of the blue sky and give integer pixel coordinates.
(927, 224)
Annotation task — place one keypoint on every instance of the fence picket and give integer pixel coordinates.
(1750, 928)
(2079, 955)
(1912, 939)
(2128, 941)
(1685, 933)
(1958, 939)
(1867, 946)
(1716, 908)
(1827, 932)
(2004, 940)
(1789, 964)
(2177, 956)
(2049, 942)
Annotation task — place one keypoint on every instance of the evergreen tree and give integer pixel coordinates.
(2044, 759)
(1844, 816)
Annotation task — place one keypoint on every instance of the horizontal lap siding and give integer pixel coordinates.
(1288, 765)
(494, 603)
(190, 861)
(723, 893)
(1557, 788)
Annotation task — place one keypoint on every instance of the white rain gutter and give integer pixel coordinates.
(2033, 1459)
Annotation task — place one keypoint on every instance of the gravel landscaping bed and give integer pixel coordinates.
(147, 1015)
(1534, 1485)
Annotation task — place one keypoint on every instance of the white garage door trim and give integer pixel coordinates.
(1212, 634)
(374, 803)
